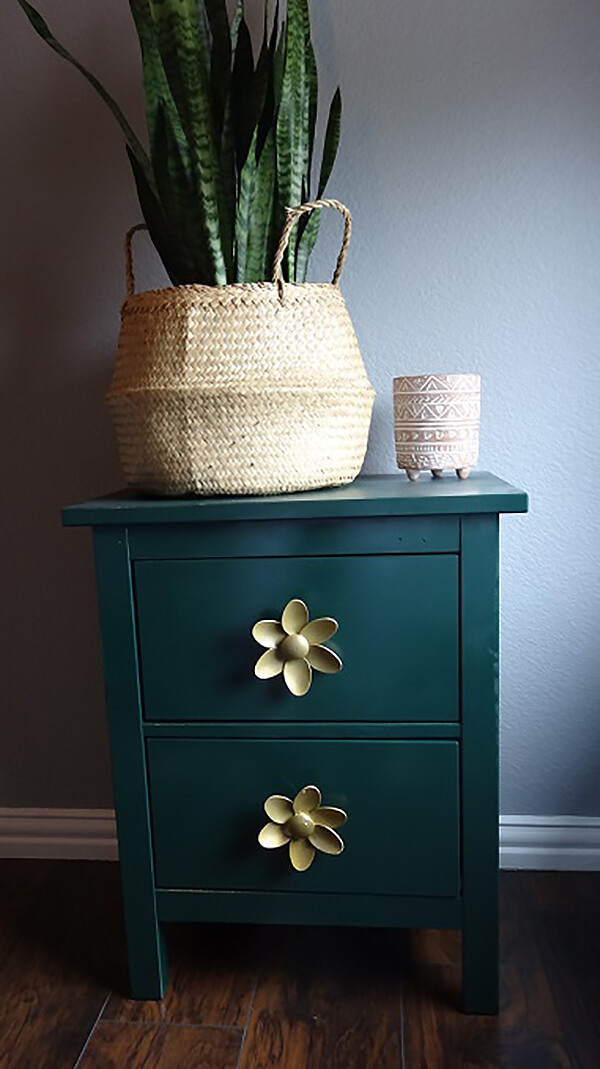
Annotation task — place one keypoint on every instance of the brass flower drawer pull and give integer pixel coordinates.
(303, 824)
(294, 647)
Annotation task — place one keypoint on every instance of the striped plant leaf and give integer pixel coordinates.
(267, 117)
(304, 248)
(220, 57)
(229, 175)
(157, 92)
(181, 47)
(260, 82)
(261, 250)
(160, 231)
(292, 125)
(308, 239)
(231, 143)
(244, 210)
(180, 204)
(238, 15)
(227, 160)
(312, 89)
(331, 142)
(279, 64)
(133, 144)
(242, 111)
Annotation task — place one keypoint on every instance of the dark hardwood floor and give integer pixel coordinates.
(258, 998)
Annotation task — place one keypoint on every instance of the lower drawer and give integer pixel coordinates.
(401, 797)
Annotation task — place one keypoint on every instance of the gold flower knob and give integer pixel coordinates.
(304, 824)
(294, 647)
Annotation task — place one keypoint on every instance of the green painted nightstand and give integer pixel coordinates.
(404, 738)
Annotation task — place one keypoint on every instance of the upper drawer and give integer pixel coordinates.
(397, 638)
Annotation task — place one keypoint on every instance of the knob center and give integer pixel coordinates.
(294, 647)
(300, 826)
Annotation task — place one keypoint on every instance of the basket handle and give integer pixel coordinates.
(293, 214)
(129, 275)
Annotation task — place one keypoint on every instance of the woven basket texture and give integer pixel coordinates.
(251, 388)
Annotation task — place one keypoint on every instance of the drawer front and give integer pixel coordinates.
(397, 638)
(401, 836)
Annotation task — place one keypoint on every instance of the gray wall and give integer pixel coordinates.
(471, 159)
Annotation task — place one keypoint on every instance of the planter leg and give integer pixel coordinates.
(463, 473)
(413, 474)
(437, 473)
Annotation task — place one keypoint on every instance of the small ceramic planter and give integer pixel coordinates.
(436, 423)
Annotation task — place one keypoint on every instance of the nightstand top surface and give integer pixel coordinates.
(369, 495)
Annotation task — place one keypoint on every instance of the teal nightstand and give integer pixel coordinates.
(404, 738)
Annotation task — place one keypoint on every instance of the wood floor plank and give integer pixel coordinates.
(35, 1044)
(564, 913)
(21, 881)
(145, 1046)
(326, 998)
(432, 946)
(55, 976)
(213, 973)
(526, 1034)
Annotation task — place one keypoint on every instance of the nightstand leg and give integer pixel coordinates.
(148, 968)
(147, 962)
(479, 607)
(480, 959)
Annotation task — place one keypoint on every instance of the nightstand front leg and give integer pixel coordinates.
(147, 961)
(479, 607)
(480, 960)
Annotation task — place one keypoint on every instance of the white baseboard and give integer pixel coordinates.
(59, 833)
(557, 843)
(526, 842)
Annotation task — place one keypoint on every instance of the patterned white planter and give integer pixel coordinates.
(436, 423)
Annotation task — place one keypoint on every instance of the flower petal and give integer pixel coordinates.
(297, 674)
(272, 836)
(328, 816)
(307, 799)
(326, 840)
(268, 664)
(318, 631)
(279, 808)
(268, 633)
(295, 616)
(323, 660)
(301, 854)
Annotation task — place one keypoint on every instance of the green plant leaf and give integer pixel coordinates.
(292, 122)
(133, 144)
(158, 227)
(181, 206)
(238, 15)
(244, 209)
(220, 58)
(183, 51)
(260, 86)
(279, 64)
(231, 144)
(157, 92)
(266, 117)
(331, 142)
(261, 250)
(312, 91)
(242, 110)
(309, 236)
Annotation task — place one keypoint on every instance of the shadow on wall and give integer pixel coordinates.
(66, 190)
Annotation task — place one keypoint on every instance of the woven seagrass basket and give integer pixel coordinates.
(250, 388)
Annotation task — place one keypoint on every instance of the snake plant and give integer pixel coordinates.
(230, 136)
